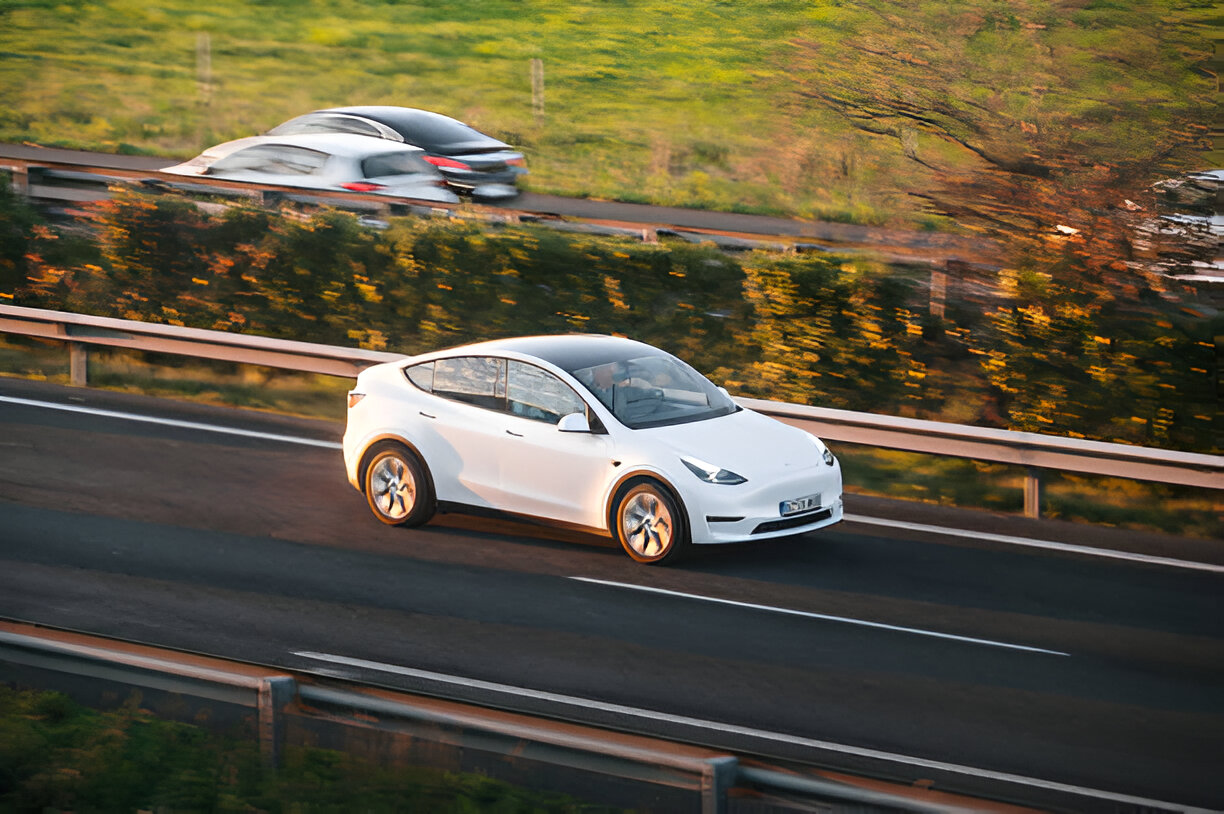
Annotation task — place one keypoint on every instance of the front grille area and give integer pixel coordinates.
(713, 519)
(793, 522)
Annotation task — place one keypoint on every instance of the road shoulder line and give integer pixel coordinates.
(1029, 542)
(732, 729)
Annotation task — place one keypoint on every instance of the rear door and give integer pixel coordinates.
(463, 426)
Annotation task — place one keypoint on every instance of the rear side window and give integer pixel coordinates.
(400, 163)
(422, 376)
(478, 380)
(273, 159)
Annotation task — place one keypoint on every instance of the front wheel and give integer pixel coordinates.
(650, 525)
(397, 488)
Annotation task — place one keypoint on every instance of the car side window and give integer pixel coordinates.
(478, 380)
(273, 159)
(421, 375)
(532, 392)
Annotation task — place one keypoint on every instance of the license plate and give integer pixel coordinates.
(799, 505)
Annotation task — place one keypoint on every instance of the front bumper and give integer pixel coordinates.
(734, 514)
(759, 528)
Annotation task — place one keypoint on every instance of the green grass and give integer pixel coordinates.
(867, 471)
(970, 484)
(178, 377)
(56, 755)
(683, 102)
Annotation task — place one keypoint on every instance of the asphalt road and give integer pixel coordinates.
(911, 655)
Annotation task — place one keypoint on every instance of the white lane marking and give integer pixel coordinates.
(170, 422)
(731, 729)
(1031, 543)
(849, 518)
(823, 617)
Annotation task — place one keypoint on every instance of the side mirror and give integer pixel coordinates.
(574, 422)
(723, 390)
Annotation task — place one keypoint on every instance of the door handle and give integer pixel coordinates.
(515, 434)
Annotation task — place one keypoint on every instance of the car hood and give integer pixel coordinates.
(746, 442)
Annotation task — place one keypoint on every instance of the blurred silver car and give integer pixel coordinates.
(473, 162)
(325, 161)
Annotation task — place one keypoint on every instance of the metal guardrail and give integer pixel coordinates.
(91, 177)
(81, 332)
(1033, 451)
(281, 697)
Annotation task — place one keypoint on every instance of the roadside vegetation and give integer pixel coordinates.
(869, 111)
(1022, 353)
(1017, 351)
(1038, 125)
(56, 755)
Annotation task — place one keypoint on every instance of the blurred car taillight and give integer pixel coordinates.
(362, 186)
(448, 163)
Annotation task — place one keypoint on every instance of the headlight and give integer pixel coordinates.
(710, 473)
(824, 451)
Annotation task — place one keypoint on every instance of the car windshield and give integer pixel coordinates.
(654, 391)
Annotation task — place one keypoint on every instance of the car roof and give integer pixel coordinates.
(569, 352)
(344, 144)
(431, 130)
(391, 114)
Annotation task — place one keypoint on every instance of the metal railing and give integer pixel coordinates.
(279, 700)
(65, 178)
(1035, 452)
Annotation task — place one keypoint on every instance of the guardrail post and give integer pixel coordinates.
(718, 775)
(19, 180)
(78, 364)
(939, 293)
(1032, 493)
(274, 694)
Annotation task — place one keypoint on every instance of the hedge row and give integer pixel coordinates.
(1044, 351)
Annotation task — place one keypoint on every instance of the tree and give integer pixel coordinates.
(1029, 120)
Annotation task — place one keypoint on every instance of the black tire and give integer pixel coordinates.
(397, 486)
(649, 523)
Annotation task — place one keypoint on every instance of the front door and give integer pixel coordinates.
(545, 472)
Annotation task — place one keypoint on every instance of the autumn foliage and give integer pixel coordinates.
(1029, 351)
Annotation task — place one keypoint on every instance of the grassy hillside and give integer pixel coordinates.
(850, 109)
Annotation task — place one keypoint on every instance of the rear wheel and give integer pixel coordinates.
(649, 523)
(397, 488)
